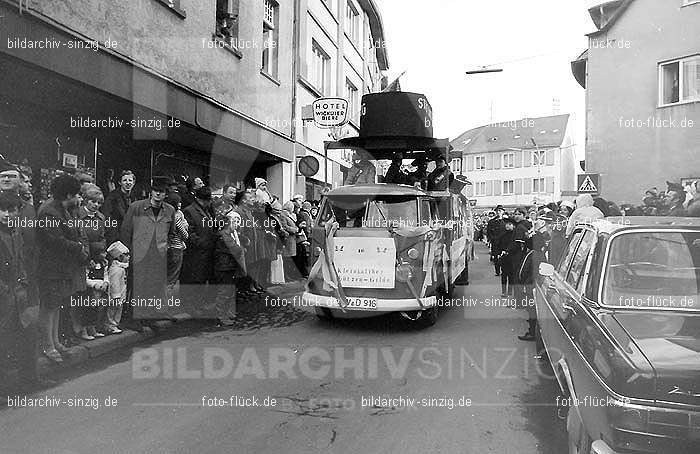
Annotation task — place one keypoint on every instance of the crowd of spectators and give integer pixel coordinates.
(84, 264)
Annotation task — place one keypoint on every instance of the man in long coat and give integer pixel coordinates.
(145, 231)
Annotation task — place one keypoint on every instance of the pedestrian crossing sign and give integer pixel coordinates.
(588, 183)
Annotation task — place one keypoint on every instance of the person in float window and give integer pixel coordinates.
(362, 170)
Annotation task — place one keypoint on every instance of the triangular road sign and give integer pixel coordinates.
(587, 185)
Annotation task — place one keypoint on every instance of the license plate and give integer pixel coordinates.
(356, 302)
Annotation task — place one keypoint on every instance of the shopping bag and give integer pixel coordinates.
(277, 270)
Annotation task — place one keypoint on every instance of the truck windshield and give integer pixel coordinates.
(654, 270)
(371, 212)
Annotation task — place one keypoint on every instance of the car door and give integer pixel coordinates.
(549, 301)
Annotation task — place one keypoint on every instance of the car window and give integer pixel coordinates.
(653, 270)
(569, 255)
(579, 261)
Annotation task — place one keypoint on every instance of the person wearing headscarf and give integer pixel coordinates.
(229, 265)
(585, 212)
(289, 246)
(262, 194)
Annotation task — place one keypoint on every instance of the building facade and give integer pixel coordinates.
(341, 53)
(522, 162)
(642, 81)
(162, 87)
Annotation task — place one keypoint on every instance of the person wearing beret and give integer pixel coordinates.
(147, 226)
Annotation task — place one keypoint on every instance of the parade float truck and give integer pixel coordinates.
(381, 248)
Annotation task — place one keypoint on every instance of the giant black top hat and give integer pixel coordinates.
(396, 113)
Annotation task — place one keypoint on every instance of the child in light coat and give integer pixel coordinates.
(119, 262)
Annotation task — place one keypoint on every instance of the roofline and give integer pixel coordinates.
(377, 27)
(508, 122)
(620, 11)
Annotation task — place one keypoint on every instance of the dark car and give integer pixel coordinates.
(619, 317)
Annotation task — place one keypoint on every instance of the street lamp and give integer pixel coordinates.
(484, 70)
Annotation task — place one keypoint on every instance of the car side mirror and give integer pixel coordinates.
(546, 269)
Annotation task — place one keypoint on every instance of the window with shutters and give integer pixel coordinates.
(508, 160)
(508, 187)
(538, 185)
(480, 163)
(538, 157)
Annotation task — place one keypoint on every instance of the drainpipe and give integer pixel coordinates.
(295, 68)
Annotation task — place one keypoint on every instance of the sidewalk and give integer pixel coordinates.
(92, 349)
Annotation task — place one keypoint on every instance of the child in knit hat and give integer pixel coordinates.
(119, 262)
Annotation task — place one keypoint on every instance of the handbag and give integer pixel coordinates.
(277, 270)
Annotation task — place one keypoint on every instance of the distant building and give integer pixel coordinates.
(342, 54)
(642, 78)
(521, 162)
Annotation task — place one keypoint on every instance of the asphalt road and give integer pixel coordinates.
(339, 387)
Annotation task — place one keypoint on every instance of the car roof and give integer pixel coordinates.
(616, 223)
(381, 189)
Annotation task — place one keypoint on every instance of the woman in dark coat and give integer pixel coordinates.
(64, 252)
(501, 247)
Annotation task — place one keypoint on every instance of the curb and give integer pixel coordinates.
(93, 349)
(98, 347)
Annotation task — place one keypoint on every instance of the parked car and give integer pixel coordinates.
(619, 318)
